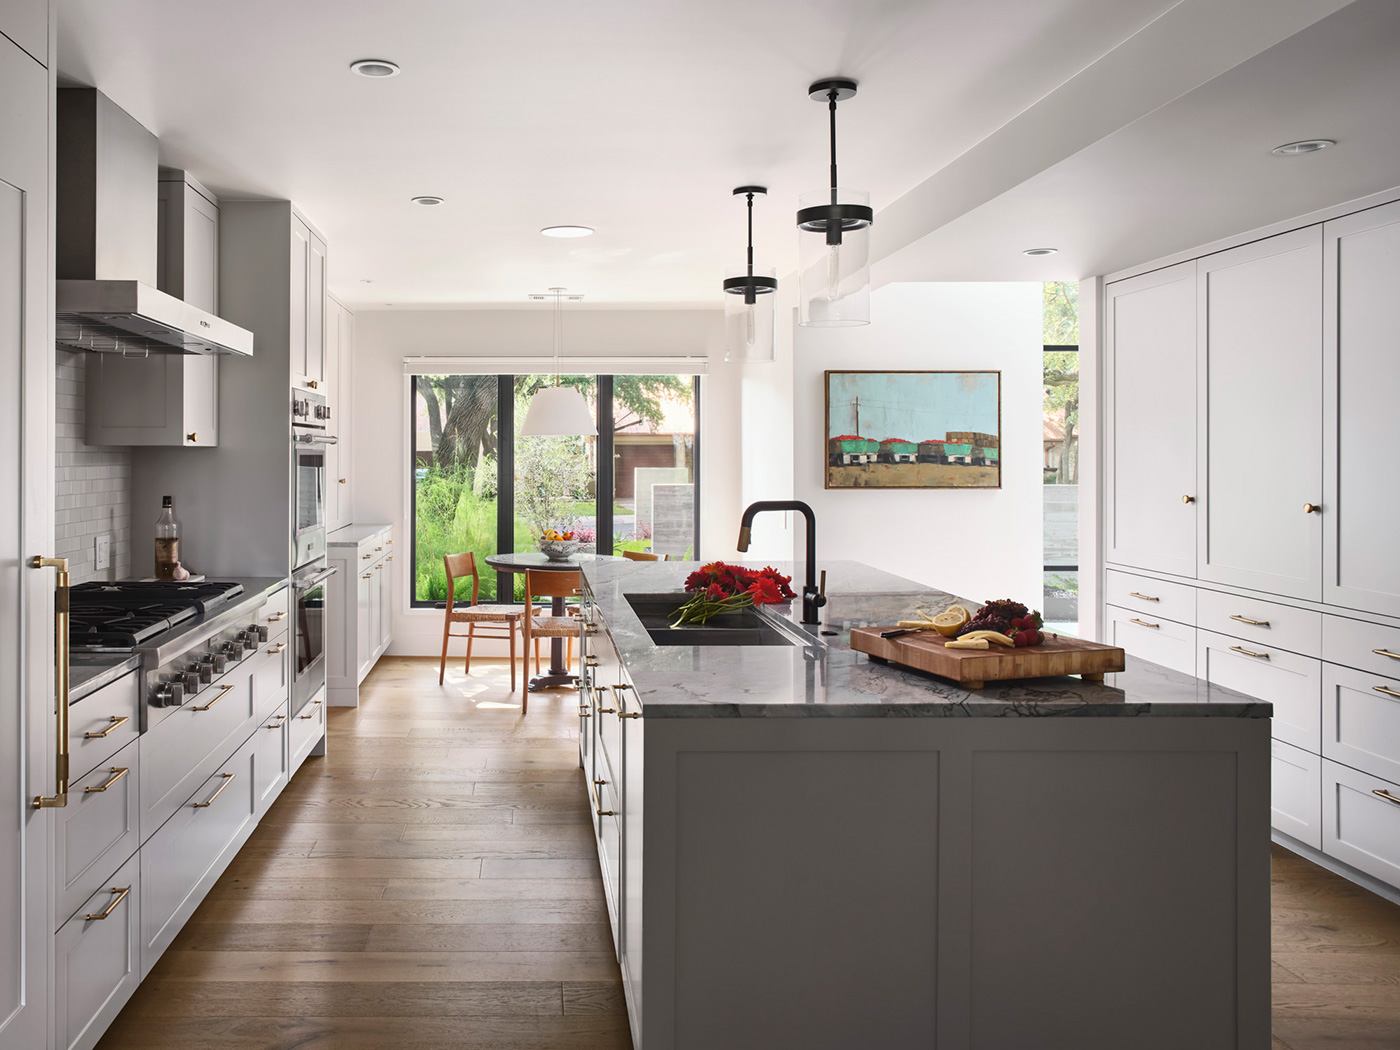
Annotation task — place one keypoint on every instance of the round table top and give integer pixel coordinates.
(536, 560)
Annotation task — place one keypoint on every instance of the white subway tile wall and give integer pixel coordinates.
(93, 483)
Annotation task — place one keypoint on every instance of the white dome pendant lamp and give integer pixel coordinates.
(748, 305)
(834, 238)
(558, 410)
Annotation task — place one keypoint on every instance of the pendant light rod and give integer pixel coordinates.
(832, 91)
(750, 286)
(832, 108)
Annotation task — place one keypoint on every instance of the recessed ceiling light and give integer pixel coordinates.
(1292, 149)
(567, 231)
(375, 68)
(428, 202)
(1040, 251)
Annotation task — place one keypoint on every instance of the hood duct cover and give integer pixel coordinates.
(105, 298)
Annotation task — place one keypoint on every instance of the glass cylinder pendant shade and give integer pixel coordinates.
(834, 258)
(748, 314)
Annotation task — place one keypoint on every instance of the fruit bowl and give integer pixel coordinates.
(557, 550)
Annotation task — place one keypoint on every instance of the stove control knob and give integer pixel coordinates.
(262, 632)
(233, 651)
(249, 638)
(206, 668)
(190, 680)
(219, 661)
(177, 693)
(162, 695)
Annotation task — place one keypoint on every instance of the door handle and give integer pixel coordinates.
(59, 798)
(622, 712)
(117, 722)
(120, 895)
(228, 779)
(225, 690)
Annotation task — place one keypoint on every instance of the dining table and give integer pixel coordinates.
(558, 673)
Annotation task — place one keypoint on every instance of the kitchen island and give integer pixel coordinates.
(801, 847)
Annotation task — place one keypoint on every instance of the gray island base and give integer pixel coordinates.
(802, 848)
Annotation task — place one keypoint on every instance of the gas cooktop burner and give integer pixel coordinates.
(125, 615)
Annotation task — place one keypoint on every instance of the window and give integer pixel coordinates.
(1060, 437)
(479, 486)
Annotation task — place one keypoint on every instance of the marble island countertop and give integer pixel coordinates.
(826, 678)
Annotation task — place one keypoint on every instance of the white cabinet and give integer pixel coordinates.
(187, 262)
(308, 305)
(1259, 317)
(1152, 638)
(1361, 378)
(340, 334)
(1361, 821)
(97, 960)
(1296, 793)
(1150, 461)
(360, 625)
(97, 831)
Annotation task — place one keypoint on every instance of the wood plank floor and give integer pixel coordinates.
(432, 884)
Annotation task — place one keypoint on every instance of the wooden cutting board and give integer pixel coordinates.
(971, 668)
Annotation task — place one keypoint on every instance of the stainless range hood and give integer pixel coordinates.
(106, 299)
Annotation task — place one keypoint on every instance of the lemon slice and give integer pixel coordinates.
(949, 622)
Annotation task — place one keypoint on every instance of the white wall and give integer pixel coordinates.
(981, 544)
(379, 424)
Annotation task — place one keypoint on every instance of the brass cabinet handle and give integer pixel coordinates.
(117, 722)
(1188, 499)
(59, 798)
(389, 558)
(1383, 793)
(1144, 623)
(280, 646)
(276, 617)
(98, 916)
(313, 713)
(312, 384)
(366, 557)
(343, 480)
(224, 691)
(1386, 690)
(1144, 597)
(379, 548)
(389, 541)
(1386, 652)
(192, 438)
(117, 773)
(1260, 656)
(597, 808)
(578, 592)
(583, 711)
(590, 661)
(1312, 508)
(1252, 623)
(622, 712)
(366, 575)
(590, 628)
(228, 779)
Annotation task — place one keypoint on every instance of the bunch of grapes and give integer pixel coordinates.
(995, 616)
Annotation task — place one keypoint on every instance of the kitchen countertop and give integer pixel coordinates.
(829, 679)
(353, 535)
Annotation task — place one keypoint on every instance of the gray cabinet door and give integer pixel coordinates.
(1259, 316)
(26, 528)
(1150, 377)
(1361, 423)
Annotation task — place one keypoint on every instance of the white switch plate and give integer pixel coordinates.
(102, 551)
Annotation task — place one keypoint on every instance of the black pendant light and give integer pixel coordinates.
(834, 237)
(748, 306)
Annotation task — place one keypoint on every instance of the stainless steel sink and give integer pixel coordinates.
(746, 627)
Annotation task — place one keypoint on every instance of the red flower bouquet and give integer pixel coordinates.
(720, 588)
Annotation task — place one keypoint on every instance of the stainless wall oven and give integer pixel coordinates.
(309, 668)
(310, 417)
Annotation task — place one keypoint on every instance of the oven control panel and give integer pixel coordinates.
(186, 677)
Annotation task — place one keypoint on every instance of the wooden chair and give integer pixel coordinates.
(545, 583)
(644, 556)
(493, 621)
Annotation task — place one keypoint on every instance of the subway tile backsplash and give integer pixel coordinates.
(93, 483)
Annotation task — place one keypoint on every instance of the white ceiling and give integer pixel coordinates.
(983, 128)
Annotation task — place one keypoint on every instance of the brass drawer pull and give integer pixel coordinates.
(117, 722)
(590, 661)
(1144, 623)
(344, 481)
(1144, 597)
(622, 711)
(313, 713)
(583, 711)
(1188, 499)
(1386, 690)
(1252, 623)
(1383, 793)
(280, 646)
(366, 575)
(366, 557)
(277, 723)
(1386, 652)
(121, 893)
(275, 617)
(597, 807)
(225, 690)
(1311, 508)
(1258, 656)
(118, 772)
(228, 779)
(379, 548)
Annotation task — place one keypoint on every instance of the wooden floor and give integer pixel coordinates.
(432, 884)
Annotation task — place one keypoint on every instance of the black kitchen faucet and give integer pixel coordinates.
(812, 598)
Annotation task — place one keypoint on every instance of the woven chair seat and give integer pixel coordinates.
(554, 627)
(488, 613)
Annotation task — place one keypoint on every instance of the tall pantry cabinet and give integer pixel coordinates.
(1275, 573)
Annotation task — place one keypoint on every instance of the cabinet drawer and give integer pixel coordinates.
(102, 723)
(269, 671)
(1155, 598)
(277, 614)
(1292, 683)
(306, 731)
(1267, 623)
(1361, 821)
(1158, 640)
(181, 861)
(98, 829)
(191, 742)
(1366, 646)
(1296, 793)
(97, 960)
(270, 758)
(1361, 721)
(606, 812)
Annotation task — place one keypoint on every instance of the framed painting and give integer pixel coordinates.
(913, 430)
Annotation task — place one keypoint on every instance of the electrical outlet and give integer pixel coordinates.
(102, 551)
